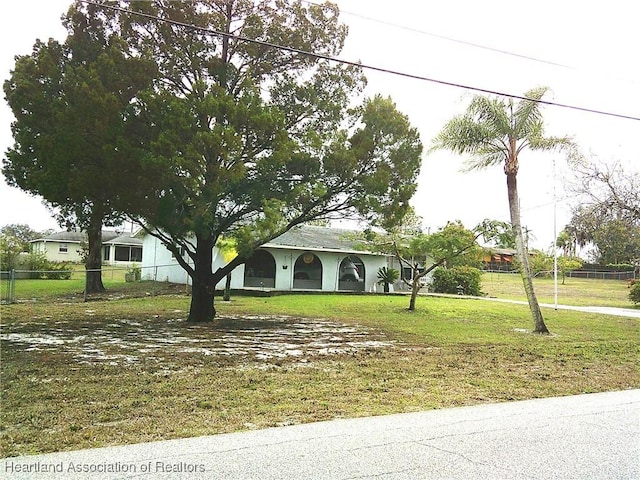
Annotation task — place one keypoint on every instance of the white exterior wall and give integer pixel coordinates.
(330, 267)
(158, 263)
(51, 248)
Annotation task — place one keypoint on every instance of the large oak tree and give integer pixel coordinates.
(254, 139)
(77, 142)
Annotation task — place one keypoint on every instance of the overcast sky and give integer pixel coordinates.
(585, 51)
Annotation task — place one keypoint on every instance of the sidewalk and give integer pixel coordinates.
(595, 436)
(620, 312)
(617, 311)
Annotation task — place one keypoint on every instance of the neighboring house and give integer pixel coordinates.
(304, 258)
(117, 249)
(123, 249)
(501, 259)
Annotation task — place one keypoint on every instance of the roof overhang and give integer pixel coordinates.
(328, 250)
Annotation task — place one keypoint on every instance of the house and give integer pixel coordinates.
(501, 259)
(121, 250)
(304, 258)
(117, 249)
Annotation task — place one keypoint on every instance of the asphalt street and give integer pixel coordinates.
(591, 436)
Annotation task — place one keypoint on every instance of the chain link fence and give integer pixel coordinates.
(33, 285)
(601, 275)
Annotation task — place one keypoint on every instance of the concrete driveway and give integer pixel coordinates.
(594, 436)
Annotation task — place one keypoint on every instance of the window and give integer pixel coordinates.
(128, 254)
(63, 248)
(136, 254)
(106, 253)
(123, 254)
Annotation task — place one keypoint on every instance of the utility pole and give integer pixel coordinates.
(555, 236)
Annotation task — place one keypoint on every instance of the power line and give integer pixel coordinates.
(444, 37)
(361, 65)
(590, 71)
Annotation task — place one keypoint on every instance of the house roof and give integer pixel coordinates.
(76, 236)
(311, 237)
(124, 240)
(501, 251)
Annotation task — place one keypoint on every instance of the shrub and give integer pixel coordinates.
(134, 273)
(443, 281)
(634, 293)
(463, 280)
(541, 263)
(36, 262)
(10, 250)
(58, 271)
(387, 276)
(620, 267)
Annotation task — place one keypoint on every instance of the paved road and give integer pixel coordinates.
(594, 436)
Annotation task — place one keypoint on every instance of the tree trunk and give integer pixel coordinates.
(202, 307)
(93, 265)
(227, 289)
(525, 272)
(415, 288)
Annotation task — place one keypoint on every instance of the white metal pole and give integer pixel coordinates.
(555, 237)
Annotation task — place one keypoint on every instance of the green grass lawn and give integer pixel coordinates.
(30, 289)
(574, 291)
(113, 279)
(120, 370)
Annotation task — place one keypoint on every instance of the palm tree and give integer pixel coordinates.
(494, 131)
(387, 276)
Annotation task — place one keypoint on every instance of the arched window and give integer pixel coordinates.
(351, 274)
(307, 272)
(260, 270)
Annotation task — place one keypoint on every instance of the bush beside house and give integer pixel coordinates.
(462, 280)
(634, 293)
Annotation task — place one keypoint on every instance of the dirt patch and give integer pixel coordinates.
(235, 339)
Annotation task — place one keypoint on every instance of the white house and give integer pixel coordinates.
(304, 258)
(117, 249)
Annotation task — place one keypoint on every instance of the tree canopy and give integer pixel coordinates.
(420, 253)
(252, 140)
(610, 187)
(184, 116)
(607, 215)
(23, 233)
(76, 141)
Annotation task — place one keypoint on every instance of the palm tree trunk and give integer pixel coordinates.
(525, 272)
